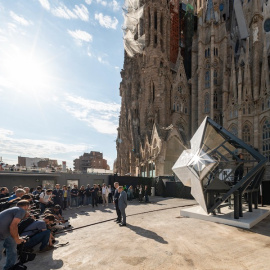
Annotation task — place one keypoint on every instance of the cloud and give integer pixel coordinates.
(102, 2)
(45, 4)
(80, 35)
(19, 19)
(40, 148)
(115, 5)
(102, 116)
(88, 2)
(106, 21)
(102, 61)
(82, 12)
(79, 12)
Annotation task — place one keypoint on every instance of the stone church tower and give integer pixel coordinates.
(196, 58)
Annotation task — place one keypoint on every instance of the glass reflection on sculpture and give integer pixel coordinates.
(210, 168)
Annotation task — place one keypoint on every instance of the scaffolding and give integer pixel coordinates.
(134, 36)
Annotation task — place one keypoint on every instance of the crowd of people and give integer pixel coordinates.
(30, 217)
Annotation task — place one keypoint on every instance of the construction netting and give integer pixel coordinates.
(134, 37)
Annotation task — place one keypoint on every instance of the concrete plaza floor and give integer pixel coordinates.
(156, 240)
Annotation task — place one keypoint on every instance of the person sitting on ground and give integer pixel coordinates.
(38, 233)
(27, 190)
(18, 194)
(37, 191)
(45, 199)
(9, 237)
(4, 192)
(13, 190)
(57, 212)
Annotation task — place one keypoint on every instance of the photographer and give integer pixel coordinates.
(38, 233)
(45, 199)
(9, 237)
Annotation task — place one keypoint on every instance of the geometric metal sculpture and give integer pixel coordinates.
(211, 168)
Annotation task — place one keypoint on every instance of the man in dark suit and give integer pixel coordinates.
(115, 201)
(58, 195)
(122, 204)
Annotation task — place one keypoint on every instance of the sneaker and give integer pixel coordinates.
(47, 248)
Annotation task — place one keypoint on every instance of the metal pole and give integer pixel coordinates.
(236, 204)
(256, 200)
(250, 202)
(240, 205)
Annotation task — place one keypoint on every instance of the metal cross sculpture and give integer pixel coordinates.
(220, 165)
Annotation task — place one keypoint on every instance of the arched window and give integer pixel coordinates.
(244, 108)
(206, 103)
(263, 105)
(174, 106)
(235, 111)
(215, 77)
(178, 107)
(266, 139)
(249, 108)
(207, 79)
(246, 134)
(234, 130)
(215, 100)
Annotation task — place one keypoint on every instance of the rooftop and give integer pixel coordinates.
(156, 238)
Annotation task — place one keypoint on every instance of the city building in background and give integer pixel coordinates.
(36, 162)
(92, 160)
(185, 60)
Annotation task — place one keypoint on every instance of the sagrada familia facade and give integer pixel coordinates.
(185, 60)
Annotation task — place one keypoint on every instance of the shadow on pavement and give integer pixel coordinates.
(146, 233)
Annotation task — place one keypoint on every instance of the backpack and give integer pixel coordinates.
(24, 224)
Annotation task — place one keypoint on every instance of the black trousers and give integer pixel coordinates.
(94, 201)
(118, 212)
(238, 175)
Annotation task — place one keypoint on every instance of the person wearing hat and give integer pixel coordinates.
(122, 204)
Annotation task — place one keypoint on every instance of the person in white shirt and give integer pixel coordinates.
(105, 194)
(45, 199)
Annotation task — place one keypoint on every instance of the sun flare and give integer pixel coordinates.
(26, 73)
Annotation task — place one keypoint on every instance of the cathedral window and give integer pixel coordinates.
(206, 103)
(185, 110)
(161, 24)
(249, 108)
(177, 107)
(215, 77)
(246, 134)
(266, 139)
(207, 65)
(235, 111)
(207, 79)
(215, 100)
(174, 106)
(234, 130)
(155, 20)
(180, 89)
(153, 92)
(263, 105)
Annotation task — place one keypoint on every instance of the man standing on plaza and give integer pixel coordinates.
(9, 237)
(58, 195)
(122, 204)
(115, 200)
(105, 194)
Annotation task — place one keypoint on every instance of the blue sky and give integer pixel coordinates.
(59, 78)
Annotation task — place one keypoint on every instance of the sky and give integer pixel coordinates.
(60, 63)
